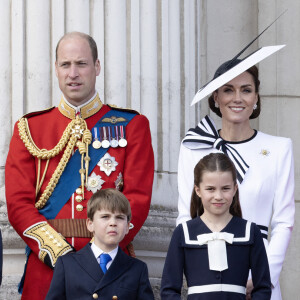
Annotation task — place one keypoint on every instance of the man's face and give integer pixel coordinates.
(75, 70)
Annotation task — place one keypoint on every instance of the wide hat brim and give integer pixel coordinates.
(238, 69)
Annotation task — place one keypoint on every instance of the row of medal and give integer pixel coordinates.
(109, 136)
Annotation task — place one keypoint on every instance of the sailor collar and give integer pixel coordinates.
(242, 231)
(86, 110)
(216, 241)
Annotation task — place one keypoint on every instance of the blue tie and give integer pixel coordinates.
(104, 259)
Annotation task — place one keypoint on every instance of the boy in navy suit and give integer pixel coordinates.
(101, 269)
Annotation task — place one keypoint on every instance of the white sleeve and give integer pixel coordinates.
(283, 210)
(185, 184)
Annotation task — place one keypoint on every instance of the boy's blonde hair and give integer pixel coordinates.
(110, 199)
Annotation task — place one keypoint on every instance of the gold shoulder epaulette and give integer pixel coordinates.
(130, 110)
(36, 113)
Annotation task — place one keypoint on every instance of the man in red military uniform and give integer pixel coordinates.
(59, 157)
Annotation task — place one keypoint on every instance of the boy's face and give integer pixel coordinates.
(109, 228)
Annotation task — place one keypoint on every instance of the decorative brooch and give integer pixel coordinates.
(94, 183)
(264, 152)
(107, 164)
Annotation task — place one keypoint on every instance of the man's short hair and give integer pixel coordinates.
(91, 41)
(111, 200)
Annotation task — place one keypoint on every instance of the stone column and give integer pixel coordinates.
(37, 55)
(281, 109)
(115, 52)
(154, 56)
(6, 117)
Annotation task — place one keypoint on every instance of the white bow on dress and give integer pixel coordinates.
(216, 246)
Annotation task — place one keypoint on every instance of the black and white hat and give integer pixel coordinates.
(234, 67)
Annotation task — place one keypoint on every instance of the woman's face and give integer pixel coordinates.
(237, 98)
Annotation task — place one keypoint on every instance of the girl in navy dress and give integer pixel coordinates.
(217, 248)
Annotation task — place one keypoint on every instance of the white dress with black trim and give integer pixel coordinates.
(266, 192)
(188, 255)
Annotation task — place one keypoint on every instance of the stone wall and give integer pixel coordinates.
(154, 55)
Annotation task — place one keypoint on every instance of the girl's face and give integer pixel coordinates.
(216, 191)
(237, 98)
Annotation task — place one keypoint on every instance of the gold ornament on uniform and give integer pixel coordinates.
(76, 130)
(50, 242)
(79, 207)
(113, 120)
(83, 148)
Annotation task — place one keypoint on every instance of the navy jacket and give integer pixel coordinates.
(186, 255)
(78, 276)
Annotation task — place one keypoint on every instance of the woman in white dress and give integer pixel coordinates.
(264, 164)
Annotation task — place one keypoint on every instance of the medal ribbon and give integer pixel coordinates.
(205, 135)
(117, 133)
(109, 133)
(104, 133)
(122, 132)
(95, 130)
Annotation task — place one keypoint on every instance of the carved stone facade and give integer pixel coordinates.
(154, 55)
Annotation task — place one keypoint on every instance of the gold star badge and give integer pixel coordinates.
(264, 152)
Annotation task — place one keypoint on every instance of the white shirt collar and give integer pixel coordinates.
(97, 252)
(77, 108)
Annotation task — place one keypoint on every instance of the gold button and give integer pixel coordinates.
(95, 296)
(78, 198)
(78, 191)
(114, 298)
(79, 207)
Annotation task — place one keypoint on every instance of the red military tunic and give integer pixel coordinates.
(135, 165)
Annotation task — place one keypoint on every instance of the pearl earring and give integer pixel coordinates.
(254, 106)
(216, 104)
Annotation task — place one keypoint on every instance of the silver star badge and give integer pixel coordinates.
(77, 131)
(94, 183)
(107, 164)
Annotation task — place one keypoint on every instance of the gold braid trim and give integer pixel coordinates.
(49, 240)
(43, 153)
(56, 175)
(83, 148)
(74, 131)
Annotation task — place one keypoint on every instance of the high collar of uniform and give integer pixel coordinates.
(85, 111)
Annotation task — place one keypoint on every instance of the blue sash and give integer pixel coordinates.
(69, 180)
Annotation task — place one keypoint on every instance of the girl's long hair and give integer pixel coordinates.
(214, 162)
